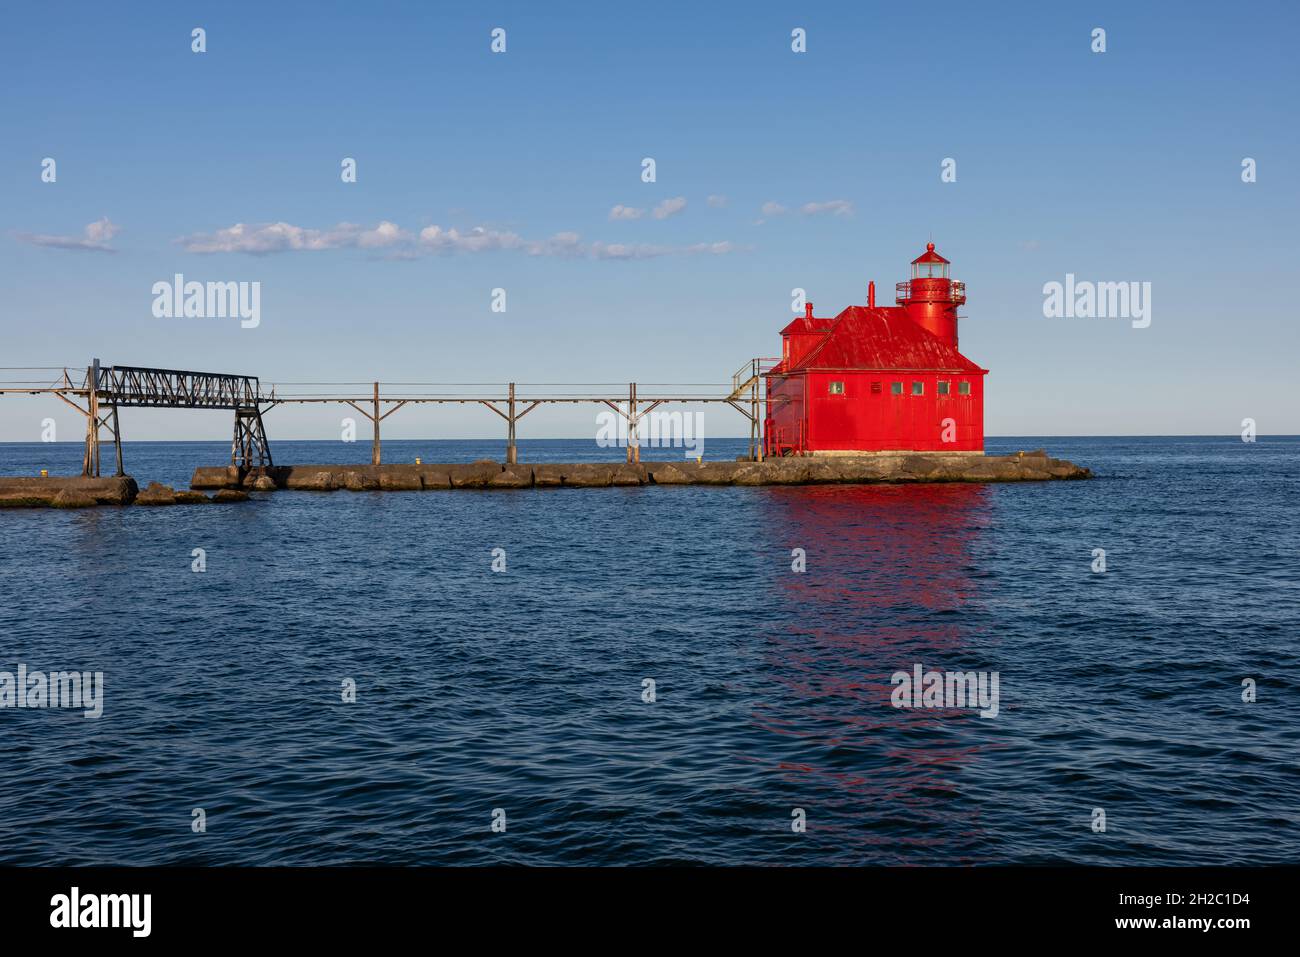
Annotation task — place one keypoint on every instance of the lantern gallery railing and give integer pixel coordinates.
(956, 292)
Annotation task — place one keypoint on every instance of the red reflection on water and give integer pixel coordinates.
(888, 583)
(881, 545)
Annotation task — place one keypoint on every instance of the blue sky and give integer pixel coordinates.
(1121, 166)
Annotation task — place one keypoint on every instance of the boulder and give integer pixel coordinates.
(434, 478)
(156, 494)
(548, 476)
(750, 473)
(920, 468)
(219, 477)
(317, 480)
(18, 498)
(1067, 470)
(73, 498)
(191, 498)
(667, 473)
(716, 473)
(987, 469)
(864, 469)
(121, 490)
(628, 475)
(512, 476)
(403, 478)
(589, 474)
(785, 471)
(230, 495)
(361, 480)
(475, 475)
(820, 472)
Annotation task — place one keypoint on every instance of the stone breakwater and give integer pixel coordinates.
(52, 492)
(1024, 467)
(234, 484)
(88, 492)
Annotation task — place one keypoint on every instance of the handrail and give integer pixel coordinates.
(752, 369)
(956, 292)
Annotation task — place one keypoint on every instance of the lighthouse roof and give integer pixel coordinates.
(803, 325)
(929, 256)
(882, 339)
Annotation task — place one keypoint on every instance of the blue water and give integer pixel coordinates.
(521, 690)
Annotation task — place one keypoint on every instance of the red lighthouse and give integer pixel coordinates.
(879, 378)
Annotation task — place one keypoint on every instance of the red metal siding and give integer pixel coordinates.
(786, 425)
(862, 420)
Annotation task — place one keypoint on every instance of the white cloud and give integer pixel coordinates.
(561, 244)
(273, 238)
(398, 243)
(621, 212)
(670, 207)
(259, 240)
(601, 250)
(385, 234)
(94, 238)
(477, 240)
(716, 202)
(836, 207)
(716, 249)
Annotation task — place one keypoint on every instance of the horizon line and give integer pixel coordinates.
(738, 438)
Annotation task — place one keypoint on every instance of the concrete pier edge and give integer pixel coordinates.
(66, 492)
(233, 484)
(1034, 466)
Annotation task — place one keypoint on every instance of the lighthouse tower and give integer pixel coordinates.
(930, 298)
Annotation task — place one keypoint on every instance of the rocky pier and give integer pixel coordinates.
(233, 484)
(1034, 466)
(61, 492)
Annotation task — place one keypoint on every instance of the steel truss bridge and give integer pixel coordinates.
(102, 390)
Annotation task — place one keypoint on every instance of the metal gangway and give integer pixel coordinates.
(103, 390)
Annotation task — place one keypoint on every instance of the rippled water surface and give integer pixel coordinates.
(522, 690)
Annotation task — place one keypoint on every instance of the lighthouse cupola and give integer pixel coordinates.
(930, 298)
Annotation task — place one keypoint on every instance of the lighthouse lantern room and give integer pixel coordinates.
(879, 379)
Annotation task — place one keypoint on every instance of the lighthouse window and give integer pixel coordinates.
(918, 387)
(943, 387)
(895, 388)
(837, 388)
(963, 388)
